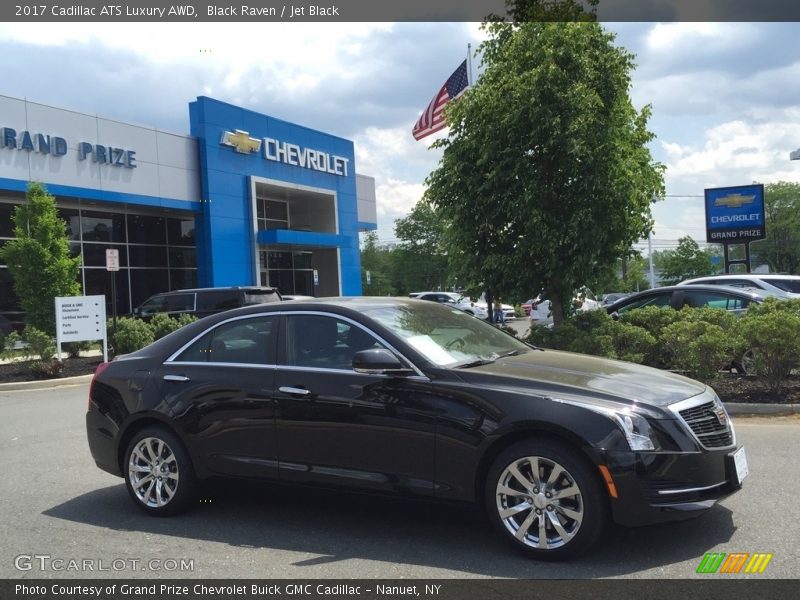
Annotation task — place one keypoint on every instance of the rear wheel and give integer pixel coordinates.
(545, 499)
(158, 472)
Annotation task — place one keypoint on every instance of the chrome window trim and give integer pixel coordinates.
(172, 358)
(195, 363)
(689, 490)
(349, 372)
(706, 396)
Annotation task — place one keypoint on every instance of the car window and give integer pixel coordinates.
(261, 296)
(662, 299)
(218, 300)
(153, 305)
(697, 299)
(180, 302)
(325, 342)
(787, 285)
(243, 341)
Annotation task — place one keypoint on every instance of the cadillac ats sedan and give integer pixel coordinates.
(417, 399)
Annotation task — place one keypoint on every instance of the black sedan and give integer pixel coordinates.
(728, 298)
(415, 399)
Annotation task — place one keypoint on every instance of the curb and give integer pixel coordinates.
(45, 384)
(743, 408)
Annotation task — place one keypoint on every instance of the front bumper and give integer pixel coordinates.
(658, 487)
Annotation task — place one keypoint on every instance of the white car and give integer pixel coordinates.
(785, 286)
(454, 299)
(541, 313)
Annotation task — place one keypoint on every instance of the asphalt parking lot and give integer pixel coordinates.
(56, 503)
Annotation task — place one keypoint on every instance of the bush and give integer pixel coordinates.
(131, 335)
(39, 343)
(651, 318)
(632, 343)
(74, 349)
(699, 348)
(773, 336)
(163, 324)
(46, 369)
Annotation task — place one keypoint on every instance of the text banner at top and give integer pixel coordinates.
(382, 10)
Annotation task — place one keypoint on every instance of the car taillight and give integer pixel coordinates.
(100, 368)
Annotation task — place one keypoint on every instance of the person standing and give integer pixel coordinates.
(498, 312)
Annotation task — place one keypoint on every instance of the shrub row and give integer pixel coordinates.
(765, 340)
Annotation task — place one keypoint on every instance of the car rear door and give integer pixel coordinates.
(220, 389)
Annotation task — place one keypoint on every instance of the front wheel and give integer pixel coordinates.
(158, 472)
(545, 499)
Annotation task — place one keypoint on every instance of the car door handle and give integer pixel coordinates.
(175, 378)
(294, 391)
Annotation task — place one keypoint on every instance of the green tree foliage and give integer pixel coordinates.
(131, 335)
(38, 259)
(629, 274)
(686, 261)
(378, 261)
(419, 261)
(163, 324)
(546, 165)
(781, 248)
(558, 11)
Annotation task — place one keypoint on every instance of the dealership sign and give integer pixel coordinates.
(735, 214)
(285, 152)
(54, 145)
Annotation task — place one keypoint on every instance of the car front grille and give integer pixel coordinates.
(705, 423)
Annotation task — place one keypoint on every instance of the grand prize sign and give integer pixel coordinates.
(735, 215)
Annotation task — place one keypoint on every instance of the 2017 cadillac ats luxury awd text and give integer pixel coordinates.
(415, 399)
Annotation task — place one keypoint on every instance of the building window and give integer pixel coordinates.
(272, 214)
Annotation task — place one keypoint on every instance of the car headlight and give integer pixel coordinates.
(636, 429)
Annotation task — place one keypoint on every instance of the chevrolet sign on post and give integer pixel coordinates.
(735, 215)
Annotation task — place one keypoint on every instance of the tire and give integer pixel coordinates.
(571, 523)
(172, 490)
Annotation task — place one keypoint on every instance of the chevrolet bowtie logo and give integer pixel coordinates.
(241, 141)
(734, 200)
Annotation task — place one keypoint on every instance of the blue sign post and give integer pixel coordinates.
(735, 215)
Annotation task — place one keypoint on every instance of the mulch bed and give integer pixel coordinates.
(21, 371)
(729, 387)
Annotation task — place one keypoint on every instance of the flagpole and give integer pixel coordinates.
(469, 65)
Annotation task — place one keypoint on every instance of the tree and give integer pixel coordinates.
(781, 248)
(546, 176)
(378, 262)
(38, 259)
(558, 11)
(420, 262)
(685, 262)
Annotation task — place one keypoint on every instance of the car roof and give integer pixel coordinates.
(217, 289)
(762, 276)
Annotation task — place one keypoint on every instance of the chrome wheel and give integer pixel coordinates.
(153, 472)
(539, 502)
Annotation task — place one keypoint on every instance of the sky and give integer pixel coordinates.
(725, 96)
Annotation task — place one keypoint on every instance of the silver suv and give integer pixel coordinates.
(784, 286)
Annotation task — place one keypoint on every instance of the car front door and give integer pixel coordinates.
(221, 390)
(337, 426)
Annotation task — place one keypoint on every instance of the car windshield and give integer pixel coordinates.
(446, 336)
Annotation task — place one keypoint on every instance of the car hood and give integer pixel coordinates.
(551, 373)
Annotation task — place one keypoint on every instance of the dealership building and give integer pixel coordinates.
(245, 199)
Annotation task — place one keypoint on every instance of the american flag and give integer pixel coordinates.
(432, 118)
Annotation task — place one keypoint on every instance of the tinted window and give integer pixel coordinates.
(102, 227)
(243, 341)
(218, 300)
(325, 342)
(260, 296)
(143, 229)
(787, 285)
(180, 302)
(712, 300)
(649, 300)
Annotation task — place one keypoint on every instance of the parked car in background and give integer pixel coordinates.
(777, 285)
(453, 299)
(202, 302)
(541, 312)
(613, 297)
(410, 398)
(731, 299)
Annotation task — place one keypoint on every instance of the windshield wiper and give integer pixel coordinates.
(477, 363)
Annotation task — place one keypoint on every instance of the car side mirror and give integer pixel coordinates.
(378, 361)
(615, 315)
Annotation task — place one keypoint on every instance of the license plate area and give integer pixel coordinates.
(740, 468)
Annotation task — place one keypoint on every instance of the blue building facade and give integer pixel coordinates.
(292, 189)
